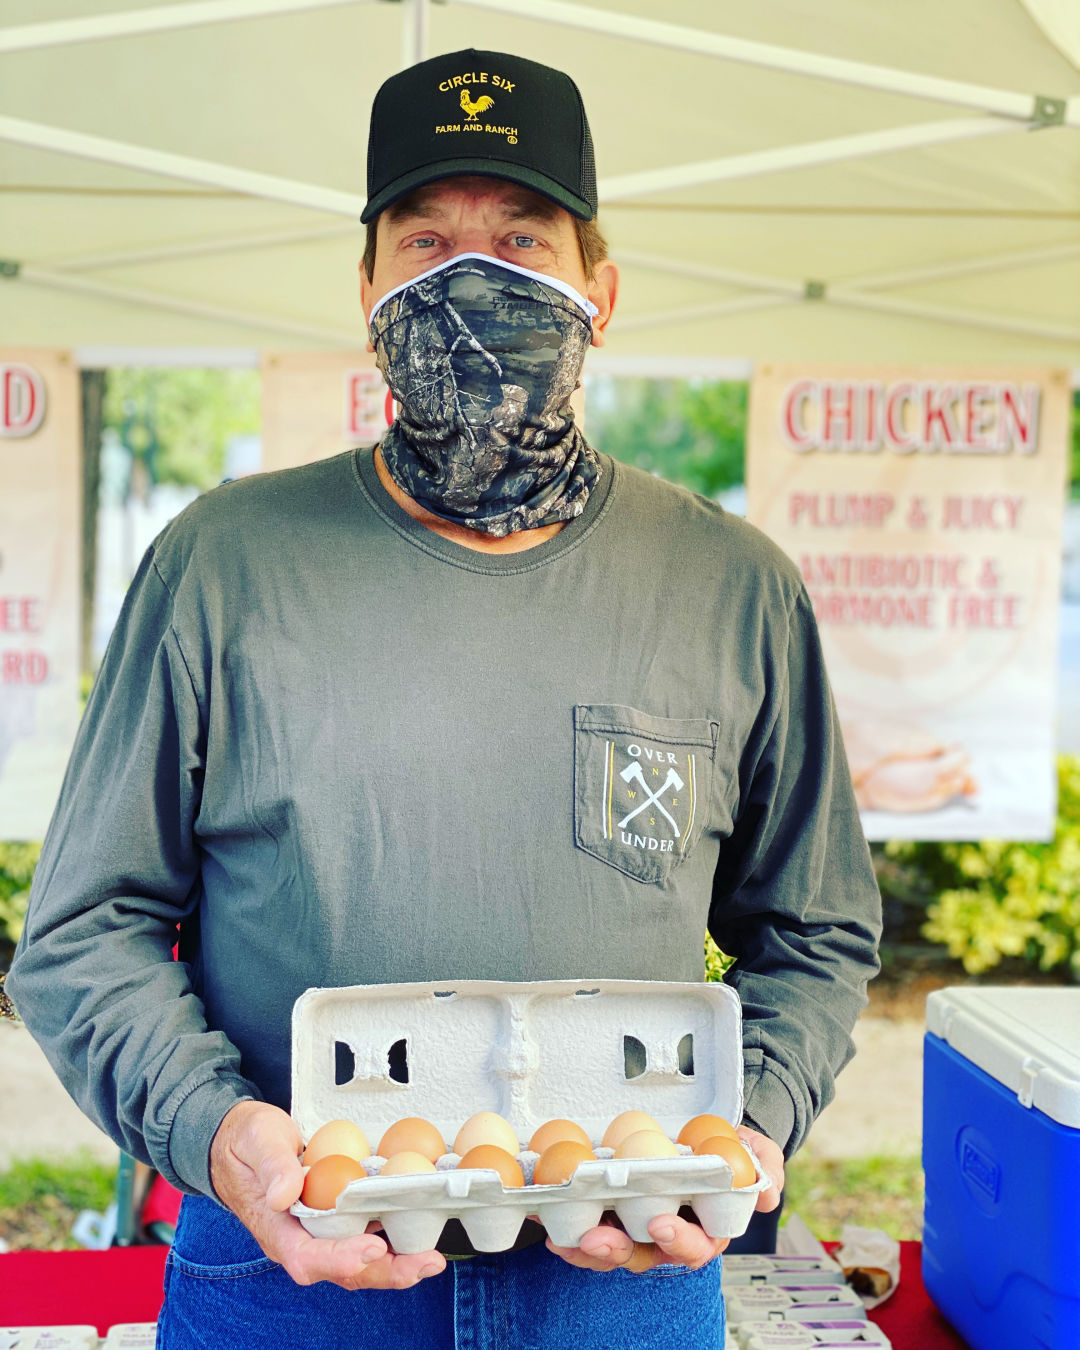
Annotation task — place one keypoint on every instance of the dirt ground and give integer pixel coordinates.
(877, 1108)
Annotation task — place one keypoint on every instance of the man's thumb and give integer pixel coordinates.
(276, 1145)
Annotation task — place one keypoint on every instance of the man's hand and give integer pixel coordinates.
(675, 1242)
(255, 1169)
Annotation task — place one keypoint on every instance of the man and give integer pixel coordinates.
(401, 715)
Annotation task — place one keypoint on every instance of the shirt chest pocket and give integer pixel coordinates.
(641, 787)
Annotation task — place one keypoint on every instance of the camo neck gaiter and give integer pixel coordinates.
(482, 357)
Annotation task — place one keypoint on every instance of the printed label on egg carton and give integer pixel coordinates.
(755, 1268)
(131, 1336)
(49, 1338)
(803, 1336)
(793, 1302)
(585, 1050)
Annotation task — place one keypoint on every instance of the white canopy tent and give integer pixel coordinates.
(826, 179)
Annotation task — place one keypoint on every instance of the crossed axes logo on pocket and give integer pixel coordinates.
(633, 774)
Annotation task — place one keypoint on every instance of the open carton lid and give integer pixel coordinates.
(582, 1049)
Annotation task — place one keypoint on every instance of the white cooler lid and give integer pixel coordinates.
(1027, 1038)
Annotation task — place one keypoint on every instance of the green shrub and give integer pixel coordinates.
(995, 900)
(17, 863)
(717, 963)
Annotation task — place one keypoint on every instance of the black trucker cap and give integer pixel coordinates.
(476, 112)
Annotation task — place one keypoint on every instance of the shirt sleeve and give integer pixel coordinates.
(795, 899)
(93, 976)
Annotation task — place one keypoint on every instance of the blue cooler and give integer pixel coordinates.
(1001, 1152)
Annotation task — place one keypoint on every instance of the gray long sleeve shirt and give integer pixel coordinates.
(335, 749)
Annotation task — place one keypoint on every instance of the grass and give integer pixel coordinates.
(876, 1192)
(39, 1200)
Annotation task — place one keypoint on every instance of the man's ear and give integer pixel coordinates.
(366, 302)
(602, 291)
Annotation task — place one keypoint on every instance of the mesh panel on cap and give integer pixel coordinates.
(587, 188)
(371, 148)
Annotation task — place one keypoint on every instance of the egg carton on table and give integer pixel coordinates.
(49, 1338)
(131, 1336)
(581, 1049)
(800, 1336)
(793, 1302)
(750, 1271)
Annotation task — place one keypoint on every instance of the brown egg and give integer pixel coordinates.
(337, 1136)
(557, 1132)
(490, 1155)
(733, 1153)
(705, 1127)
(486, 1127)
(646, 1144)
(560, 1161)
(328, 1178)
(405, 1164)
(413, 1135)
(628, 1123)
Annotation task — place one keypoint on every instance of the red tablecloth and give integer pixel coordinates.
(124, 1285)
(98, 1289)
(908, 1318)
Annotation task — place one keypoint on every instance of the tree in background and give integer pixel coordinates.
(691, 432)
(1074, 471)
(179, 422)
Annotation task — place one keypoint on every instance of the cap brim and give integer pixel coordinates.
(488, 168)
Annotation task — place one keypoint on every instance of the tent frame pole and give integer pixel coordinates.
(960, 267)
(1004, 102)
(853, 299)
(136, 295)
(162, 162)
(832, 151)
(414, 32)
(921, 309)
(1020, 106)
(350, 204)
(231, 243)
(157, 19)
(795, 290)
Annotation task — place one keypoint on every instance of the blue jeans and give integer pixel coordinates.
(222, 1293)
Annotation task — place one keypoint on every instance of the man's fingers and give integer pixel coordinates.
(284, 1188)
(359, 1262)
(682, 1243)
(308, 1259)
(771, 1157)
(256, 1153)
(402, 1272)
(574, 1256)
(272, 1152)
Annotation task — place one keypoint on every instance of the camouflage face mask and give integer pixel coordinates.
(482, 357)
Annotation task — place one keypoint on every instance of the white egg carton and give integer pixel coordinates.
(585, 1050)
(802, 1336)
(742, 1270)
(49, 1338)
(131, 1336)
(794, 1302)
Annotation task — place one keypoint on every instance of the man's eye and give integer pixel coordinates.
(426, 241)
(523, 241)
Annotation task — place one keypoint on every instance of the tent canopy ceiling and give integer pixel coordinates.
(199, 185)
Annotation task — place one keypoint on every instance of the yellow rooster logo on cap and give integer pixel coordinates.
(482, 104)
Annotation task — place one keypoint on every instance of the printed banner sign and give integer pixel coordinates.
(39, 584)
(317, 404)
(924, 511)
